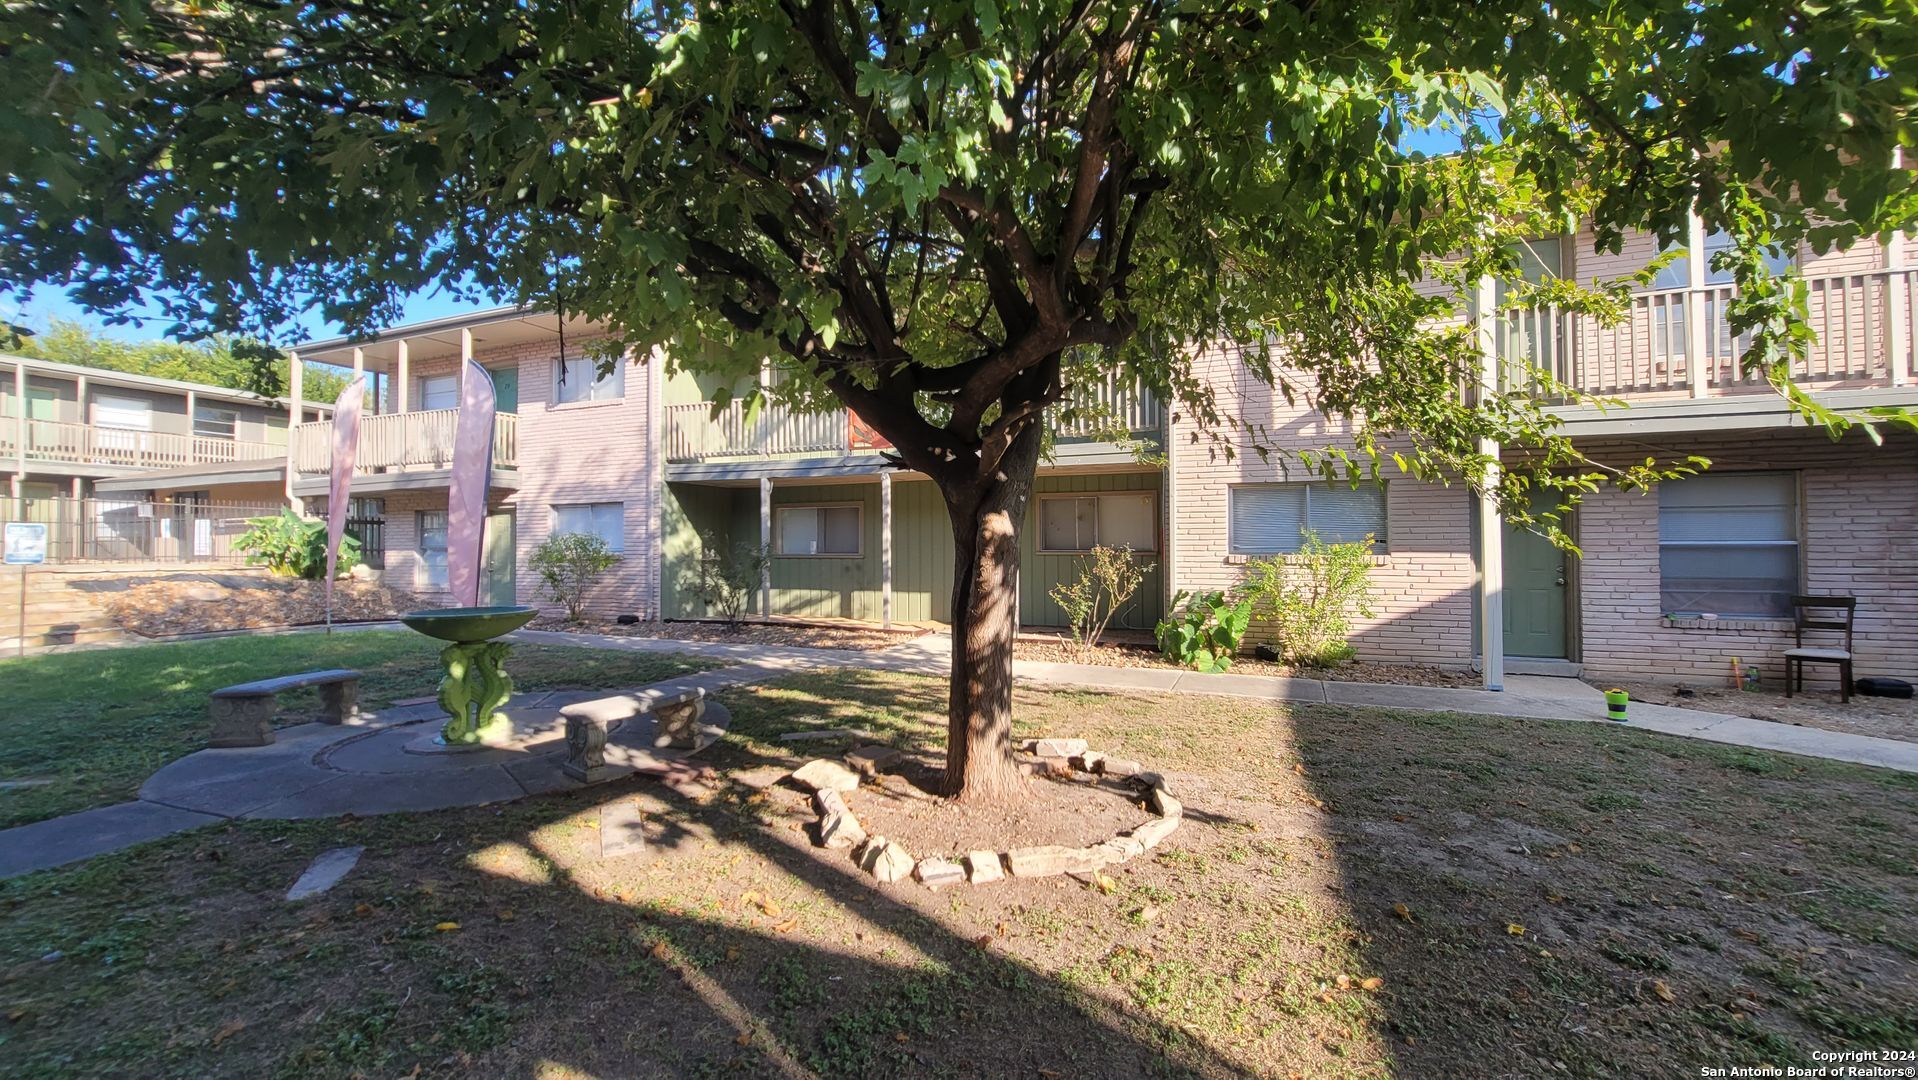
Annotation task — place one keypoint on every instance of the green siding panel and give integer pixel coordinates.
(922, 552)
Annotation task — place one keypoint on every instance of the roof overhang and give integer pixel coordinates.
(433, 339)
(387, 483)
(268, 471)
(1758, 410)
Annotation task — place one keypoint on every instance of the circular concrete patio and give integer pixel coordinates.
(389, 762)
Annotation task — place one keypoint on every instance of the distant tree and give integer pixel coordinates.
(239, 363)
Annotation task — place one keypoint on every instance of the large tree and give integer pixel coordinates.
(947, 213)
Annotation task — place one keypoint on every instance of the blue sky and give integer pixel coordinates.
(46, 305)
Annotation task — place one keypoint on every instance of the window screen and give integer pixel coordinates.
(816, 530)
(577, 378)
(1272, 519)
(604, 520)
(1728, 544)
(431, 547)
(1114, 519)
(210, 422)
(440, 392)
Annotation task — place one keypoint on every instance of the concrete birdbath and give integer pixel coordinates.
(476, 685)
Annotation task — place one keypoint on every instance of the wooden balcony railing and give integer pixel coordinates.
(72, 443)
(693, 433)
(1678, 342)
(420, 440)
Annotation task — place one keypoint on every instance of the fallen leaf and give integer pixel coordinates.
(1003, 929)
(732, 954)
(1344, 981)
(1048, 1074)
(506, 915)
(786, 927)
(1747, 935)
(227, 1031)
(661, 950)
(745, 1039)
(1148, 913)
(1515, 929)
(1402, 912)
(770, 907)
(1105, 883)
(362, 910)
(901, 1037)
(1573, 848)
(1664, 992)
(1298, 768)
(1372, 983)
(446, 927)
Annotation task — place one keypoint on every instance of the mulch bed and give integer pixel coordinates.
(204, 603)
(800, 635)
(1884, 718)
(1138, 656)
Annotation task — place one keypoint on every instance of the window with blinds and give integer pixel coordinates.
(1073, 523)
(1272, 519)
(431, 547)
(577, 378)
(1728, 544)
(817, 531)
(605, 520)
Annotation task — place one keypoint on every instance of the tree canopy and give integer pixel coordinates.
(946, 213)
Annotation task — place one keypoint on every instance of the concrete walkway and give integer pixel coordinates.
(310, 771)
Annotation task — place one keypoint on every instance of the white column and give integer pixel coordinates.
(402, 377)
(766, 546)
(466, 354)
(1897, 310)
(1695, 329)
(20, 424)
(885, 549)
(359, 364)
(296, 411)
(1491, 527)
(192, 409)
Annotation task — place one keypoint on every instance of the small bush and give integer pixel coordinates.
(1308, 599)
(570, 564)
(292, 546)
(1204, 631)
(728, 578)
(1107, 579)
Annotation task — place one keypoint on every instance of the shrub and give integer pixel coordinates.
(1107, 579)
(571, 564)
(292, 546)
(1204, 631)
(1308, 599)
(728, 578)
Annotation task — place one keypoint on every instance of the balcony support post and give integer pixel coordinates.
(192, 437)
(359, 370)
(885, 549)
(1897, 311)
(1491, 527)
(765, 547)
(20, 429)
(1695, 338)
(296, 412)
(402, 382)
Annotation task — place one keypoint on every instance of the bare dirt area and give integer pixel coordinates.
(1130, 655)
(1352, 893)
(1884, 718)
(197, 603)
(800, 635)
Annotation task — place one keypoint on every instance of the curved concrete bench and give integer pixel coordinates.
(243, 714)
(676, 715)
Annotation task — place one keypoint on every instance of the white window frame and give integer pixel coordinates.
(426, 382)
(1151, 498)
(610, 387)
(1796, 543)
(423, 576)
(615, 543)
(1380, 539)
(859, 530)
(119, 403)
(201, 412)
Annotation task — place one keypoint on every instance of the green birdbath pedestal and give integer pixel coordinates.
(476, 685)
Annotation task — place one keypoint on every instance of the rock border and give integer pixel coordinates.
(838, 829)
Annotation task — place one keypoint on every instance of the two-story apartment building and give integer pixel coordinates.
(1674, 582)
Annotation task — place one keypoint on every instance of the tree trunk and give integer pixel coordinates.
(986, 521)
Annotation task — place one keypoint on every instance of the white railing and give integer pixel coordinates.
(402, 440)
(1864, 324)
(72, 443)
(694, 433)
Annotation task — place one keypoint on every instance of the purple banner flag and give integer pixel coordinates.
(346, 446)
(466, 490)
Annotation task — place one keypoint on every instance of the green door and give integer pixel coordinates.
(1534, 594)
(497, 562)
(505, 389)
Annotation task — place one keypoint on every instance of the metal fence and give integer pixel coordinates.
(104, 529)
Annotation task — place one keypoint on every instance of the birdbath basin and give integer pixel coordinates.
(476, 686)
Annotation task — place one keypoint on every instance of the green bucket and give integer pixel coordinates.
(1615, 705)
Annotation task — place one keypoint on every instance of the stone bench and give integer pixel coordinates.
(675, 715)
(243, 714)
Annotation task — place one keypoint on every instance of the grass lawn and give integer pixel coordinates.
(84, 729)
(1354, 893)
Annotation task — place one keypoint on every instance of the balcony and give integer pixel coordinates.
(1677, 345)
(694, 434)
(89, 446)
(403, 442)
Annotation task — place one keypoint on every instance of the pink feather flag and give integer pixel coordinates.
(466, 490)
(346, 446)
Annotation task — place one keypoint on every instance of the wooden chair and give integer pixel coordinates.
(1804, 617)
